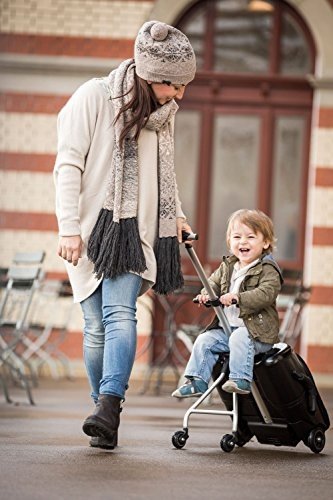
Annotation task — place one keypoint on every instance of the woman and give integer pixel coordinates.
(119, 214)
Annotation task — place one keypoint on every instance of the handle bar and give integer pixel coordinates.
(203, 278)
(213, 303)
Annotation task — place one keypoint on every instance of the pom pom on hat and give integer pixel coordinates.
(159, 31)
(162, 52)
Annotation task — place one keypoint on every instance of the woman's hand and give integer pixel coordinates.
(182, 225)
(70, 248)
(228, 298)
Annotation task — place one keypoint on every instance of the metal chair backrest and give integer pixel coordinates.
(293, 297)
(23, 281)
(29, 257)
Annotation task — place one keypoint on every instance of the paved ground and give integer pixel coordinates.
(44, 454)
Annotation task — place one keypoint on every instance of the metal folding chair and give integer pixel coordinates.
(14, 308)
(21, 285)
(46, 334)
(291, 301)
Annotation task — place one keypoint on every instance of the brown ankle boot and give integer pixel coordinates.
(104, 422)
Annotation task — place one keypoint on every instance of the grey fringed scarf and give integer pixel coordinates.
(115, 245)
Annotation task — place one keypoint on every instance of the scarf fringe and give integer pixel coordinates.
(169, 275)
(115, 247)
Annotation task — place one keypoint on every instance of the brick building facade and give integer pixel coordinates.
(47, 49)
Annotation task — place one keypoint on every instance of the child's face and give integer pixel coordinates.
(245, 244)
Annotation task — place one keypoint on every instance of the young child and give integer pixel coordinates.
(251, 278)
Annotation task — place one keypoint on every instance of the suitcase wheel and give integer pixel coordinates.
(179, 439)
(227, 443)
(316, 440)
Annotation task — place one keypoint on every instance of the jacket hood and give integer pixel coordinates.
(267, 258)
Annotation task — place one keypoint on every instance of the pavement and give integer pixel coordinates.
(44, 454)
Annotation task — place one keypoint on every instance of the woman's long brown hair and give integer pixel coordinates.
(142, 104)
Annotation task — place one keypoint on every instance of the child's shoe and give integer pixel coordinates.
(191, 388)
(239, 386)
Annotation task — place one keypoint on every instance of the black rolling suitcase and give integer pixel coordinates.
(284, 406)
(292, 409)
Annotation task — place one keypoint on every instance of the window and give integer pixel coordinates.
(243, 128)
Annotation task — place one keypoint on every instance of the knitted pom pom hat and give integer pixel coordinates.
(162, 52)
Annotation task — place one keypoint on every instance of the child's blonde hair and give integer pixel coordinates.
(257, 221)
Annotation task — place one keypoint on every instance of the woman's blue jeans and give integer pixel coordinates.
(210, 344)
(110, 336)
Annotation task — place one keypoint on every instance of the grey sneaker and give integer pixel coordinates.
(191, 388)
(239, 386)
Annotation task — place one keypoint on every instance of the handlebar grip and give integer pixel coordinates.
(206, 304)
(215, 303)
(210, 303)
(189, 236)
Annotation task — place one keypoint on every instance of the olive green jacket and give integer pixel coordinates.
(257, 296)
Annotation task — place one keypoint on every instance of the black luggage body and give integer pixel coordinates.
(293, 403)
(284, 406)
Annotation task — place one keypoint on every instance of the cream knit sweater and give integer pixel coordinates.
(85, 144)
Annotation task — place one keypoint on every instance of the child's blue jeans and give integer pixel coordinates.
(210, 344)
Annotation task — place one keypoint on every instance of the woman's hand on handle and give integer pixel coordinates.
(182, 225)
(70, 248)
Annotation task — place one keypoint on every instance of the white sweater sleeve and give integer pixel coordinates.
(76, 125)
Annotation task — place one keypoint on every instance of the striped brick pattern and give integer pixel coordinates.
(28, 240)
(322, 215)
(89, 29)
(66, 46)
(89, 18)
(28, 132)
(318, 330)
(31, 162)
(323, 334)
(320, 359)
(107, 29)
(31, 189)
(11, 102)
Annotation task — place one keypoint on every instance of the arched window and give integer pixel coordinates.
(242, 133)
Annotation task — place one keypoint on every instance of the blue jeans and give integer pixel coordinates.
(110, 336)
(210, 344)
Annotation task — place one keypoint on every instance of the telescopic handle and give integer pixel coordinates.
(204, 280)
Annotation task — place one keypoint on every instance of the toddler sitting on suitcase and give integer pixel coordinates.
(248, 283)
